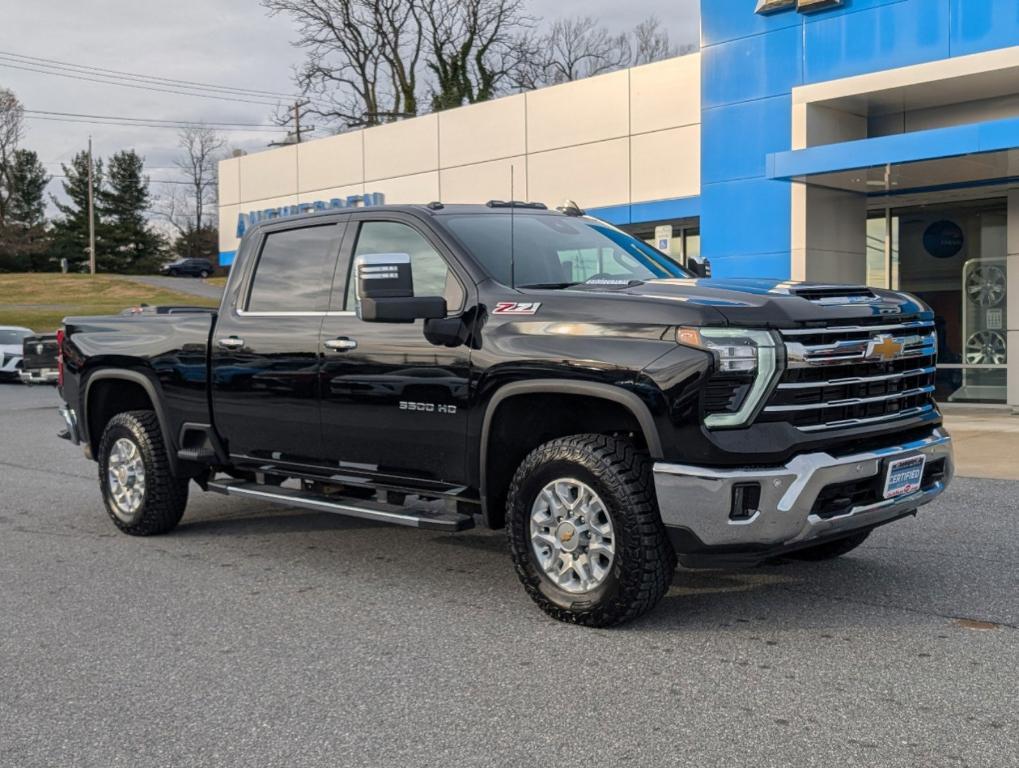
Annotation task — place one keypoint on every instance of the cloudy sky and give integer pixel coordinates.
(223, 42)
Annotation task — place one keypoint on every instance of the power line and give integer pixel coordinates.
(138, 87)
(151, 180)
(137, 76)
(186, 123)
(155, 124)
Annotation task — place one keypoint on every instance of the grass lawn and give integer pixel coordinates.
(41, 300)
(217, 281)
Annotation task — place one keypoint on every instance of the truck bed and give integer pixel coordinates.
(170, 349)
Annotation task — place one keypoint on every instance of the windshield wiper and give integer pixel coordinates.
(548, 285)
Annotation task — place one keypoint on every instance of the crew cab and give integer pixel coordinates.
(504, 365)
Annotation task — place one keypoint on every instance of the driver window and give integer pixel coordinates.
(431, 275)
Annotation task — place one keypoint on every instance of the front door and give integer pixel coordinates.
(265, 349)
(393, 403)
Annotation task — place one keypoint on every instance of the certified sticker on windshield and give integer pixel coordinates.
(516, 308)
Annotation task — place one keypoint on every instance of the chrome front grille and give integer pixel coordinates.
(850, 375)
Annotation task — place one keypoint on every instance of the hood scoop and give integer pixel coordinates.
(835, 294)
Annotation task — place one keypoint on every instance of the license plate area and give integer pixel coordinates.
(904, 476)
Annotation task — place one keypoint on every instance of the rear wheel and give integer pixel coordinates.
(830, 549)
(585, 533)
(141, 494)
(203, 274)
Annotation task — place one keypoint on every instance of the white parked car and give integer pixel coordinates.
(11, 350)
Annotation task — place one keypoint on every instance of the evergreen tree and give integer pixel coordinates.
(199, 243)
(131, 245)
(70, 231)
(25, 241)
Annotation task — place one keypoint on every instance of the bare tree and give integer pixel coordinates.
(578, 47)
(651, 42)
(368, 61)
(11, 128)
(473, 47)
(190, 208)
(202, 150)
(362, 57)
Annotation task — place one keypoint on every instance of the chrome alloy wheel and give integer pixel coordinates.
(572, 536)
(986, 348)
(125, 472)
(986, 285)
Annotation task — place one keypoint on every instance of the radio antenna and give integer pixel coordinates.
(513, 253)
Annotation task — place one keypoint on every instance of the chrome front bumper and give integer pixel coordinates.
(698, 500)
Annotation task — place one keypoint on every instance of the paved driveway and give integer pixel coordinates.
(261, 636)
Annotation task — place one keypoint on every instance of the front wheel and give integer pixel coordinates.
(142, 496)
(585, 533)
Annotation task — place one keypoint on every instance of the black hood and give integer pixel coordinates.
(778, 303)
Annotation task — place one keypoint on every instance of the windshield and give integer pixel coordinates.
(13, 336)
(558, 251)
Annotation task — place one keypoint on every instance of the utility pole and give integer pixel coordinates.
(91, 214)
(295, 137)
(297, 120)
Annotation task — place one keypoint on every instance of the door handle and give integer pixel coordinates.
(342, 344)
(231, 342)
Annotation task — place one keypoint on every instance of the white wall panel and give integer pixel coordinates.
(481, 132)
(331, 162)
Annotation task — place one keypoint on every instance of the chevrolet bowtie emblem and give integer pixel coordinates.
(884, 347)
(567, 536)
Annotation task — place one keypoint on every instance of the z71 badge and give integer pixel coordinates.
(516, 308)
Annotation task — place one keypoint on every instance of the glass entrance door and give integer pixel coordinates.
(953, 256)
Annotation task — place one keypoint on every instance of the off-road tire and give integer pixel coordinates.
(644, 560)
(830, 549)
(165, 496)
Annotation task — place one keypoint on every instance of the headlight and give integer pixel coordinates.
(747, 363)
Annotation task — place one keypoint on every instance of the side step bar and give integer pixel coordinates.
(434, 520)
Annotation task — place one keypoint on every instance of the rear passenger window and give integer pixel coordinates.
(294, 271)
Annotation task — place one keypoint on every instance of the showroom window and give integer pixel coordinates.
(953, 256)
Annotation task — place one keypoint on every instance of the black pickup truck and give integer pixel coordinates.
(440, 366)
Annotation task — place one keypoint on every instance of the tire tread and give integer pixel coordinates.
(627, 474)
(166, 496)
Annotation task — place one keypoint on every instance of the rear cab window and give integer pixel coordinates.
(294, 270)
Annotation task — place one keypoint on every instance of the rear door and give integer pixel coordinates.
(265, 350)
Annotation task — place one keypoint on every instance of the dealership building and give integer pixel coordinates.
(861, 141)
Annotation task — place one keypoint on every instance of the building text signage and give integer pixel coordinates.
(246, 220)
(803, 6)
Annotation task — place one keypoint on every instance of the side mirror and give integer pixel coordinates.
(385, 291)
(700, 268)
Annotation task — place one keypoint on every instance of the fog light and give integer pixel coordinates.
(746, 498)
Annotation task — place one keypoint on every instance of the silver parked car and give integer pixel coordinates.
(12, 338)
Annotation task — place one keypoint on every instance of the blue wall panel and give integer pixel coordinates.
(775, 265)
(724, 20)
(750, 64)
(887, 36)
(982, 25)
(765, 126)
(751, 68)
(745, 217)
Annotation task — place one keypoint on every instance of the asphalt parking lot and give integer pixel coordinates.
(261, 636)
